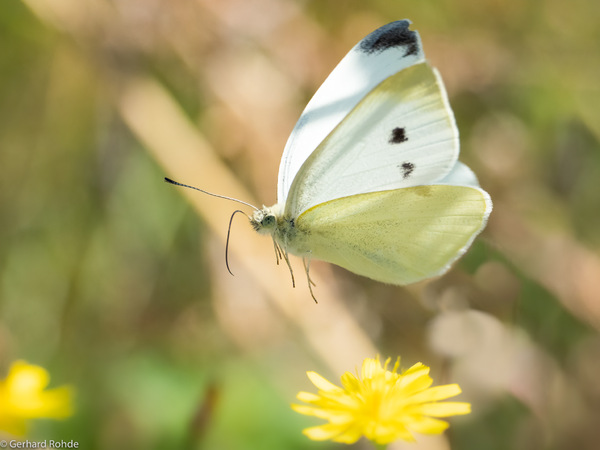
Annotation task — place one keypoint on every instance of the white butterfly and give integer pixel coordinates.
(370, 178)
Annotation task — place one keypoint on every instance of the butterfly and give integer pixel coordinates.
(369, 178)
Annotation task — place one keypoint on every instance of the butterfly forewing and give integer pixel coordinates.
(381, 54)
(401, 134)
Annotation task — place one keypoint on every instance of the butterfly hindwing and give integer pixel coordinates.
(460, 175)
(399, 236)
(381, 54)
(401, 134)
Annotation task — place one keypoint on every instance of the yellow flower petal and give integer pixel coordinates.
(369, 368)
(436, 393)
(341, 417)
(415, 379)
(323, 432)
(444, 409)
(343, 433)
(349, 436)
(303, 409)
(384, 434)
(350, 382)
(321, 383)
(428, 425)
(307, 397)
(418, 369)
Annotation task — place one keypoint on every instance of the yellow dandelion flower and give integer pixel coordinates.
(382, 405)
(23, 397)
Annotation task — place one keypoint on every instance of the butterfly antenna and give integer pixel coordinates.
(227, 242)
(168, 180)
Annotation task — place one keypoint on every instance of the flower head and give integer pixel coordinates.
(382, 405)
(23, 397)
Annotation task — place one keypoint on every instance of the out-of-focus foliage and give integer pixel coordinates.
(114, 284)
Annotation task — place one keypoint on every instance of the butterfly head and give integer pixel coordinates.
(265, 220)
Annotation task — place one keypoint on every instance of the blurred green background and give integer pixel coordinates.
(111, 280)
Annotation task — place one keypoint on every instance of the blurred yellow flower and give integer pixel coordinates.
(382, 405)
(22, 397)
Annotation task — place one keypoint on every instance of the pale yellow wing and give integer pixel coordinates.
(399, 236)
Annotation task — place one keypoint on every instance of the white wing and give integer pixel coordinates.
(460, 175)
(401, 134)
(381, 54)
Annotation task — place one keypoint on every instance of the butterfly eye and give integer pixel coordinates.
(268, 221)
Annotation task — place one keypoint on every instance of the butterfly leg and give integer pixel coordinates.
(311, 283)
(277, 252)
(306, 262)
(287, 261)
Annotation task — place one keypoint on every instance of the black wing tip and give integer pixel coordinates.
(394, 34)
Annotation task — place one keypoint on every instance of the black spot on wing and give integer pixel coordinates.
(406, 168)
(395, 34)
(398, 136)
